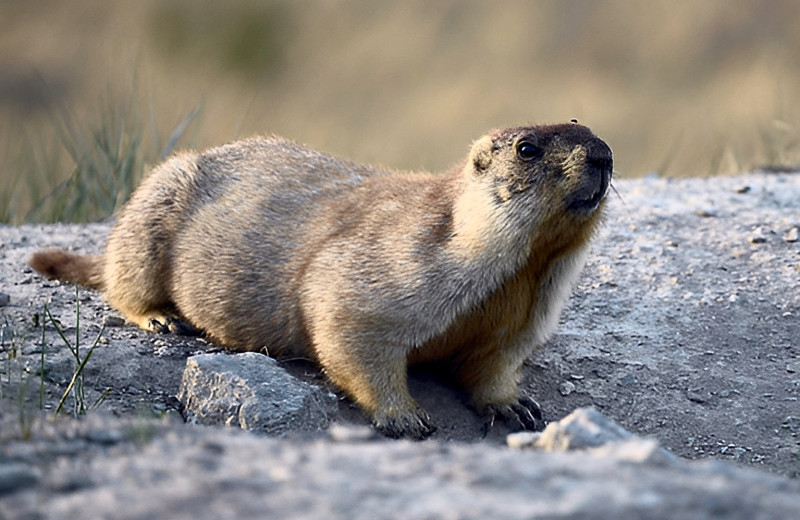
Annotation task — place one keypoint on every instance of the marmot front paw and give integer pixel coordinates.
(415, 425)
(525, 414)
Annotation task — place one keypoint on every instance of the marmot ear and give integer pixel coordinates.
(481, 153)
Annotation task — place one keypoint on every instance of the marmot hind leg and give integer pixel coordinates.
(145, 303)
(138, 277)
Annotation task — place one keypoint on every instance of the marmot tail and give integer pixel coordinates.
(60, 264)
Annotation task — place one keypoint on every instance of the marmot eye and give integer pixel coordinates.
(527, 151)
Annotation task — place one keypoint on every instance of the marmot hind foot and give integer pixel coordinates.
(172, 325)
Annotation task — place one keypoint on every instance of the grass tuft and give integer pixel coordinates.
(77, 383)
(780, 142)
(19, 384)
(105, 155)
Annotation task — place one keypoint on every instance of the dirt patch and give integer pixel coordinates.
(685, 326)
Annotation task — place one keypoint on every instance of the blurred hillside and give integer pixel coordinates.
(679, 88)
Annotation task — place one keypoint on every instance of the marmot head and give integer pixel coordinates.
(543, 175)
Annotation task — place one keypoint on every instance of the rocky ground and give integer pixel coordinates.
(684, 328)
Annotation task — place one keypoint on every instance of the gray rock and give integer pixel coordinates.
(112, 320)
(5, 299)
(104, 437)
(351, 433)
(757, 236)
(14, 477)
(250, 391)
(695, 396)
(590, 431)
(583, 428)
(792, 424)
(566, 388)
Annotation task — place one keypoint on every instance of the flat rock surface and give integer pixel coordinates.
(138, 470)
(685, 328)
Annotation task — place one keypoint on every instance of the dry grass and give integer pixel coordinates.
(679, 88)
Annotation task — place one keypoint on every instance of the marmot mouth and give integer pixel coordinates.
(589, 196)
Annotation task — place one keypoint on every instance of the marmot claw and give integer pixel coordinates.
(167, 325)
(416, 426)
(525, 414)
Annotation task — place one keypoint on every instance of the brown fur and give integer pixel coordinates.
(58, 264)
(266, 244)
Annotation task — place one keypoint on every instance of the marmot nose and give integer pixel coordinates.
(596, 176)
(599, 157)
(600, 165)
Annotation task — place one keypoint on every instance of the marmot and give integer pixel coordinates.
(264, 243)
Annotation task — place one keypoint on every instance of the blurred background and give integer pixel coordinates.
(91, 91)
